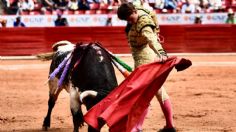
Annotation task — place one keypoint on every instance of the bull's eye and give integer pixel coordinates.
(100, 57)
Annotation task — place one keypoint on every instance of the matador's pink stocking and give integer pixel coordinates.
(167, 110)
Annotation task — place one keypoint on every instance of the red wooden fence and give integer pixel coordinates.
(178, 38)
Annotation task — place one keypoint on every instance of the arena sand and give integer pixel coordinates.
(203, 97)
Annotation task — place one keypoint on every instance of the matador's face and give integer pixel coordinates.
(132, 19)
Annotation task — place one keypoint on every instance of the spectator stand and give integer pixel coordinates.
(103, 7)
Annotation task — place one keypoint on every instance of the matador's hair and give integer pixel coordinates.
(125, 10)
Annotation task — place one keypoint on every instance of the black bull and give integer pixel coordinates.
(90, 69)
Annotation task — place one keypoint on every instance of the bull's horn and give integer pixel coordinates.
(63, 46)
(87, 93)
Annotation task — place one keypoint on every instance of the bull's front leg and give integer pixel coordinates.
(53, 95)
(75, 107)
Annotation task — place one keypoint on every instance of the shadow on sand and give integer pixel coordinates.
(49, 130)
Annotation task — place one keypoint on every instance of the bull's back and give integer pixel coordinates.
(95, 72)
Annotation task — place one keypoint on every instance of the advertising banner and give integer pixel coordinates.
(101, 19)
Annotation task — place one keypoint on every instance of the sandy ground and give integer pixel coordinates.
(203, 97)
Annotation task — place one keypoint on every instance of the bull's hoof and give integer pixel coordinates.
(46, 124)
(45, 128)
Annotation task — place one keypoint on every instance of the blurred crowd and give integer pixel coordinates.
(20, 7)
(60, 7)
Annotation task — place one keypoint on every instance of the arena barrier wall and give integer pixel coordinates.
(177, 38)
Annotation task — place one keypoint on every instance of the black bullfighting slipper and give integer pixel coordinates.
(167, 129)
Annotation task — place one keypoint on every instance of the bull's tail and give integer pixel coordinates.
(62, 46)
(45, 56)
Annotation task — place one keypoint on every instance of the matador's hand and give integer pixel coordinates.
(163, 58)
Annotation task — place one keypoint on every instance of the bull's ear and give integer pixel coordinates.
(78, 44)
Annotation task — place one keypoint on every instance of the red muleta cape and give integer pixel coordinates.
(122, 108)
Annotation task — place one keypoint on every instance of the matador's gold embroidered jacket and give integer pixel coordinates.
(141, 35)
